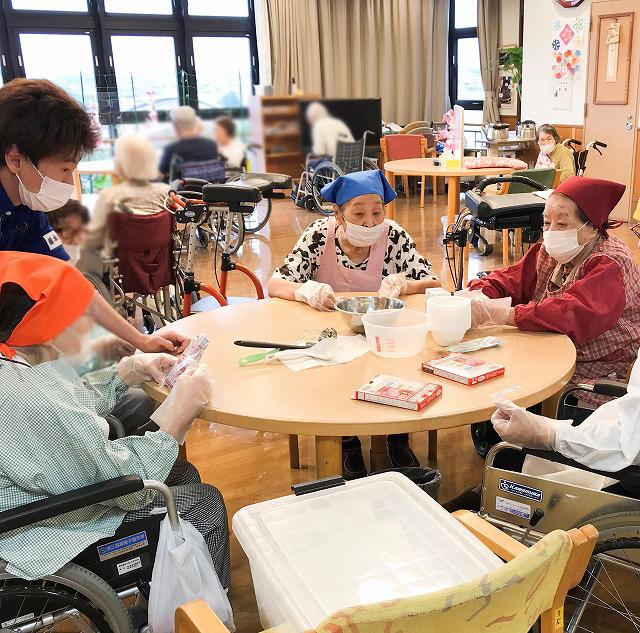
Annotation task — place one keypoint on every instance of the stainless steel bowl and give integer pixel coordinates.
(353, 308)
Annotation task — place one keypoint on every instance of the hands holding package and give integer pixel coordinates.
(192, 392)
(322, 297)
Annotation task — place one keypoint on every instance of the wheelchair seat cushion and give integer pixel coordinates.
(267, 182)
(497, 206)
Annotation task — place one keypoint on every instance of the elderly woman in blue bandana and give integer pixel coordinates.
(356, 250)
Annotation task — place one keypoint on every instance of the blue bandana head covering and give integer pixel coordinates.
(345, 188)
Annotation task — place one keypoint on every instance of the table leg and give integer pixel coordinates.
(493, 150)
(294, 452)
(453, 198)
(391, 207)
(328, 456)
(518, 242)
(550, 405)
(423, 182)
(378, 453)
(432, 447)
(505, 247)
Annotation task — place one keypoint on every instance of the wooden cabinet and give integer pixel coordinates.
(275, 131)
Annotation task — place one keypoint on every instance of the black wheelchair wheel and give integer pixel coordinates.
(484, 437)
(203, 238)
(310, 204)
(324, 174)
(71, 600)
(99, 285)
(531, 236)
(259, 218)
(608, 596)
(483, 248)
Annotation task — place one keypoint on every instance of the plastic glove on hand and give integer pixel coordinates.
(140, 368)
(485, 311)
(317, 295)
(523, 428)
(393, 286)
(112, 348)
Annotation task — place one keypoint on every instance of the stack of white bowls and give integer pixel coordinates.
(449, 318)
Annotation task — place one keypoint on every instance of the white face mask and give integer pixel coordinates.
(79, 358)
(53, 194)
(547, 149)
(363, 235)
(563, 246)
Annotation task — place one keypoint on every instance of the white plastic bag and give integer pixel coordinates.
(183, 571)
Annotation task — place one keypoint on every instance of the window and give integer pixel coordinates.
(465, 79)
(50, 5)
(223, 71)
(146, 73)
(67, 60)
(150, 7)
(229, 8)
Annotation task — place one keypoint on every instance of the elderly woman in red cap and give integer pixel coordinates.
(54, 438)
(581, 282)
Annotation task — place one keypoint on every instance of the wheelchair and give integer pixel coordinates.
(88, 593)
(527, 507)
(348, 159)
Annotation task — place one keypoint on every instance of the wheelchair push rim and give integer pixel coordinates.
(324, 174)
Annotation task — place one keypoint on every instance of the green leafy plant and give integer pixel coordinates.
(511, 60)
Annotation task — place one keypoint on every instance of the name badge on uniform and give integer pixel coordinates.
(52, 240)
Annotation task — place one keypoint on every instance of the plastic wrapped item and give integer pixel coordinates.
(475, 344)
(190, 358)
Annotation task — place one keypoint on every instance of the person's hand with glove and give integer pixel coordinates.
(112, 347)
(317, 295)
(191, 393)
(486, 311)
(393, 286)
(140, 368)
(523, 428)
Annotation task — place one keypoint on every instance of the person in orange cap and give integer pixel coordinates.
(54, 438)
(580, 281)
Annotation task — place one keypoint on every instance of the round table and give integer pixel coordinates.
(318, 401)
(426, 167)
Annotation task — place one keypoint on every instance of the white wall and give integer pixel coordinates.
(537, 83)
(509, 22)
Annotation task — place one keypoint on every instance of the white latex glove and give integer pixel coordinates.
(112, 347)
(519, 426)
(485, 311)
(393, 286)
(317, 295)
(140, 368)
(192, 392)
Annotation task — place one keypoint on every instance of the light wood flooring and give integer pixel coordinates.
(250, 466)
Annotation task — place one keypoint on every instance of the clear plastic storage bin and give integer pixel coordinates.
(371, 540)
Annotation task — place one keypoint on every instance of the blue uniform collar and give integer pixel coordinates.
(5, 202)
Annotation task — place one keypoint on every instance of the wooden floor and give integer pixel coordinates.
(250, 466)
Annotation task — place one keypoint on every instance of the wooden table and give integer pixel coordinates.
(318, 401)
(425, 167)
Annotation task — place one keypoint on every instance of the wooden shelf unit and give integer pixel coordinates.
(275, 129)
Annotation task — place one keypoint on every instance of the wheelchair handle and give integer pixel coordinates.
(170, 501)
(524, 180)
(178, 184)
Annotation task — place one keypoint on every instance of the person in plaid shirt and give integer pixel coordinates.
(54, 438)
(581, 282)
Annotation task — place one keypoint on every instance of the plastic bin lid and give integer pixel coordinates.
(371, 540)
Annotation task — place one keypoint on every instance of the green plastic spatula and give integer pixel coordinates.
(253, 358)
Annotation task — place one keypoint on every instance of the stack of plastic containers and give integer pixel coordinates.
(449, 318)
(372, 540)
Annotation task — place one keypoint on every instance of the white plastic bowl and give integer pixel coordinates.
(448, 337)
(449, 313)
(396, 333)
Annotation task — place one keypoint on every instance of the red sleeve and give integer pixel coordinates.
(517, 281)
(585, 310)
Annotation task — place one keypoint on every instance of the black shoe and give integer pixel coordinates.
(470, 499)
(353, 466)
(400, 454)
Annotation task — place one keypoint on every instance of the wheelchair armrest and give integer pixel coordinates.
(610, 388)
(68, 502)
(629, 476)
(233, 192)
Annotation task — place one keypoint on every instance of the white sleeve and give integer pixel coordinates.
(609, 439)
(319, 140)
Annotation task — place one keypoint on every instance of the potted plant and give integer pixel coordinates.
(511, 61)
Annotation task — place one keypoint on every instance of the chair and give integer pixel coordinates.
(532, 584)
(549, 177)
(401, 146)
(212, 170)
(411, 128)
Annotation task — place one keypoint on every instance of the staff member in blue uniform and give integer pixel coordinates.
(44, 132)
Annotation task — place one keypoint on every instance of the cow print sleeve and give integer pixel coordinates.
(303, 261)
(403, 256)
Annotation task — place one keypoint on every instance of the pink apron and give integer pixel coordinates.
(343, 279)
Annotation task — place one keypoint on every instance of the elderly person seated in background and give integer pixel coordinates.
(357, 250)
(231, 149)
(53, 436)
(553, 153)
(581, 282)
(135, 162)
(326, 130)
(191, 146)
